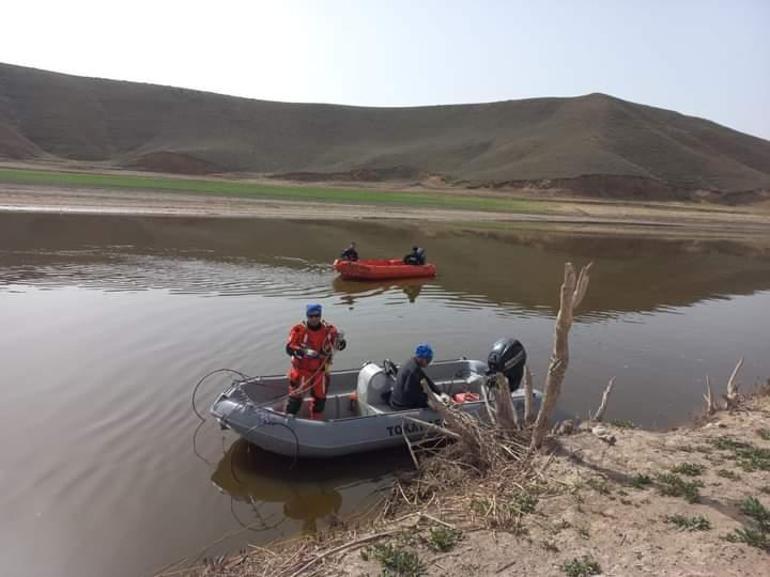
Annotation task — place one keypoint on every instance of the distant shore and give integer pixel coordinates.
(168, 196)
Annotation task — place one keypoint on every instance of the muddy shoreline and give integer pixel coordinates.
(567, 215)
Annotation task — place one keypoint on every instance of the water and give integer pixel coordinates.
(108, 322)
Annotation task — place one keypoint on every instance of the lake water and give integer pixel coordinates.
(107, 323)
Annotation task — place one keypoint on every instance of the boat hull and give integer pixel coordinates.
(382, 269)
(345, 431)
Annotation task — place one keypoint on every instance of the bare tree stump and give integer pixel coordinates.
(573, 290)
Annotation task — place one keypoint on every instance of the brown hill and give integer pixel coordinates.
(593, 144)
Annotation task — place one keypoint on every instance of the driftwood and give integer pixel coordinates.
(573, 289)
(599, 414)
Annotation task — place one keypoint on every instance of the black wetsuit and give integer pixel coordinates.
(349, 254)
(416, 257)
(407, 392)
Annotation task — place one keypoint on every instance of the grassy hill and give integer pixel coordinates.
(594, 144)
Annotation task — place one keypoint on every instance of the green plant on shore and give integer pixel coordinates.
(524, 503)
(754, 459)
(640, 481)
(759, 535)
(583, 567)
(747, 456)
(395, 561)
(672, 485)
(443, 539)
(728, 444)
(727, 474)
(622, 424)
(750, 537)
(689, 469)
(696, 523)
(751, 507)
(506, 515)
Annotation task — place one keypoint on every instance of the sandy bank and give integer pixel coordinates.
(668, 504)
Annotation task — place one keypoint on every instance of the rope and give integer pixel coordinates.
(206, 376)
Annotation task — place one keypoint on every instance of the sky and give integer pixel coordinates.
(700, 57)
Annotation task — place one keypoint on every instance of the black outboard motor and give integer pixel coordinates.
(508, 357)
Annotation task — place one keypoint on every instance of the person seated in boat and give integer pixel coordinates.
(350, 253)
(311, 345)
(416, 257)
(407, 392)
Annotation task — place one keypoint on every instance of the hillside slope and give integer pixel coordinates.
(594, 143)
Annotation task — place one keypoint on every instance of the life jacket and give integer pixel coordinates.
(321, 339)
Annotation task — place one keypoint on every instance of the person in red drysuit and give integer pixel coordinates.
(311, 345)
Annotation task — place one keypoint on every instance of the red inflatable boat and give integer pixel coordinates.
(381, 269)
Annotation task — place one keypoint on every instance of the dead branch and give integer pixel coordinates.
(711, 407)
(409, 446)
(573, 289)
(453, 420)
(731, 397)
(508, 420)
(599, 415)
(491, 412)
(528, 416)
(433, 427)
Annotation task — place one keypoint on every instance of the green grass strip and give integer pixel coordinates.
(269, 191)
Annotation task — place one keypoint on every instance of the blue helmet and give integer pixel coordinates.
(312, 309)
(424, 351)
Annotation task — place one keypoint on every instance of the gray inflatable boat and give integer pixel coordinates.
(356, 419)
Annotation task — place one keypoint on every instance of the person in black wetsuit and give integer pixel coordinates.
(350, 253)
(407, 392)
(417, 256)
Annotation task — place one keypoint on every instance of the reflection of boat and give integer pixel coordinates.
(379, 269)
(350, 288)
(309, 492)
(357, 419)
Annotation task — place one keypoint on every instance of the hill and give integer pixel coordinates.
(593, 144)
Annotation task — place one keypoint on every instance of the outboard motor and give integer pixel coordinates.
(508, 357)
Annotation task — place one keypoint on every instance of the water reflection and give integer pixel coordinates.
(350, 290)
(310, 492)
(515, 271)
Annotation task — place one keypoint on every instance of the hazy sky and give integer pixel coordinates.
(706, 58)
